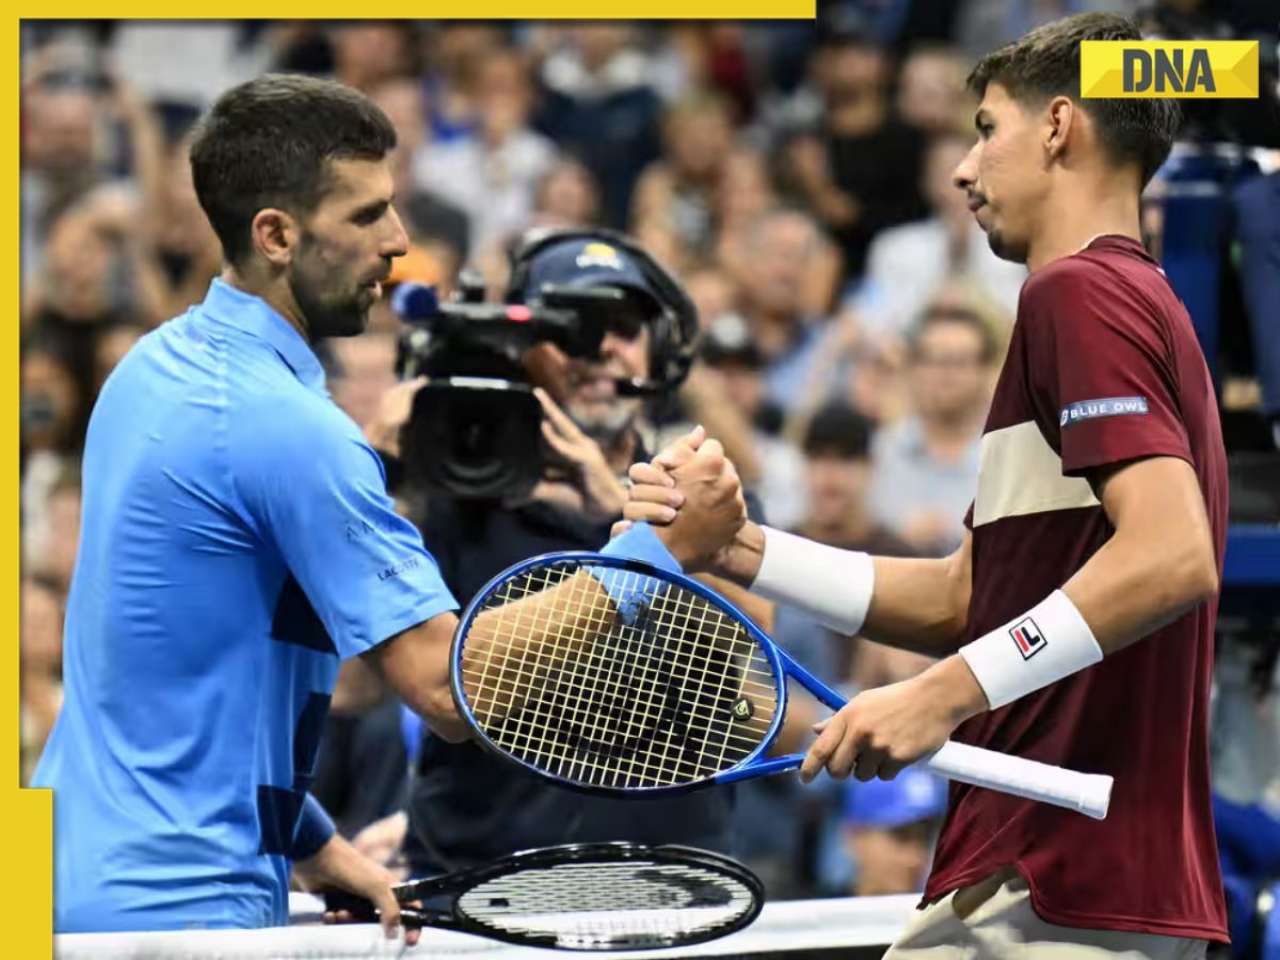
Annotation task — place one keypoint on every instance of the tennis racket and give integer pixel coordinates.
(591, 896)
(613, 676)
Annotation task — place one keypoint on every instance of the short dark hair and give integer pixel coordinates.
(935, 315)
(837, 430)
(267, 143)
(1046, 63)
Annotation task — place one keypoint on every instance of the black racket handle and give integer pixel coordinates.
(363, 910)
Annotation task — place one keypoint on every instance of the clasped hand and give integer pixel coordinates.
(692, 495)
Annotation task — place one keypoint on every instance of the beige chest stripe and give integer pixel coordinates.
(1020, 474)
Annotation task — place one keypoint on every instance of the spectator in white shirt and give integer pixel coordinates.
(908, 264)
(925, 466)
(493, 174)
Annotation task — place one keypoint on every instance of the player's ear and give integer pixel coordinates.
(275, 235)
(1061, 115)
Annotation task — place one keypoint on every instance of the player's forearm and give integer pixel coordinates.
(415, 664)
(514, 650)
(920, 605)
(1130, 588)
(914, 604)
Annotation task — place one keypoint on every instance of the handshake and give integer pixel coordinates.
(691, 495)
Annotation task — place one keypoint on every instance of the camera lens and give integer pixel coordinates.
(475, 438)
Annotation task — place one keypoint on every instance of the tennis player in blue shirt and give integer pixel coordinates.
(237, 542)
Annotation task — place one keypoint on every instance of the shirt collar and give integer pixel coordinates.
(253, 315)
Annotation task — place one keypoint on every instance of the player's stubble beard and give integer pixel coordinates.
(342, 313)
(1005, 248)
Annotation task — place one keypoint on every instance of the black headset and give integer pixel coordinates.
(674, 332)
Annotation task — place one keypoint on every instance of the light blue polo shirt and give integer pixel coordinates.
(236, 543)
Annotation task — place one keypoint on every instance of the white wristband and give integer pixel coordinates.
(830, 584)
(1048, 642)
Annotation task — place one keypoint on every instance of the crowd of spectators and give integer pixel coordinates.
(796, 176)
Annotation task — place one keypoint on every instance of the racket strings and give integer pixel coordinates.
(675, 694)
(609, 903)
(641, 761)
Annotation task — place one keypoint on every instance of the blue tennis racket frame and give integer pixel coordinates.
(783, 665)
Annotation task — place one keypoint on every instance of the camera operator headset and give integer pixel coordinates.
(547, 259)
(591, 406)
(466, 807)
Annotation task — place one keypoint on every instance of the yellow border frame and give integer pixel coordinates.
(27, 890)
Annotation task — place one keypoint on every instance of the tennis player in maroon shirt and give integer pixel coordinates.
(1075, 624)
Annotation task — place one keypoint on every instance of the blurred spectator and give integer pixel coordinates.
(1257, 210)
(746, 191)
(40, 667)
(707, 56)
(932, 96)
(454, 53)
(677, 193)
(425, 213)
(859, 172)
(99, 269)
(726, 394)
(51, 416)
(713, 292)
(59, 162)
(984, 25)
(492, 175)
(367, 53)
(299, 46)
(892, 25)
(91, 117)
(866, 369)
(908, 264)
(112, 343)
(566, 196)
(889, 829)
(53, 406)
(600, 106)
(364, 369)
(837, 472)
(876, 387)
(55, 560)
(746, 195)
(926, 465)
(183, 66)
(779, 249)
(186, 250)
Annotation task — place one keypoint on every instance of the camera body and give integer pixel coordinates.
(475, 428)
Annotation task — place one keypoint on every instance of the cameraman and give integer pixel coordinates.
(467, 807)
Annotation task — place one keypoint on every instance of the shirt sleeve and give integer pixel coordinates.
(316, 490)
(1102, 372)
(315, 829)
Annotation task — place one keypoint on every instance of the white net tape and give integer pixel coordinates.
(788, 925)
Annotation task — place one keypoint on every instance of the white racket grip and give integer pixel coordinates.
(1087, 793)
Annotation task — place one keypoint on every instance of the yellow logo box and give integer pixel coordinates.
(1180, 69)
